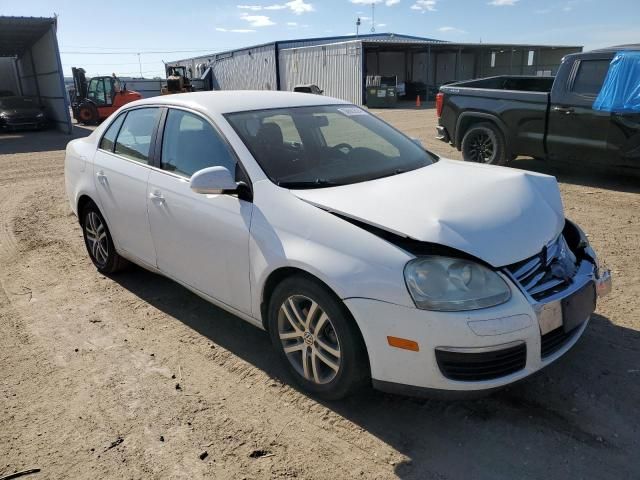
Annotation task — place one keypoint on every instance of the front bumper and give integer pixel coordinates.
(518, 325)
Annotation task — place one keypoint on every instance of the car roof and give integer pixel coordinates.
(228, 101)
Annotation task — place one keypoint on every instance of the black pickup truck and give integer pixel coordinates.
(494, 120)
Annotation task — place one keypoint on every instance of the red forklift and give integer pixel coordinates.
(99, 97)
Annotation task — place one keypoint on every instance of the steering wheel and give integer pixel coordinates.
(342, 147)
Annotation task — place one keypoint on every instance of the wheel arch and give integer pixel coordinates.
(467, 119)
(83, 201)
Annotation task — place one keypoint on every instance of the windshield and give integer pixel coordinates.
(322, 146)
(18, 102)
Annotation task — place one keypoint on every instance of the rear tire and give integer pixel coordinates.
(99, 243)
(484, 143)
(325, 352)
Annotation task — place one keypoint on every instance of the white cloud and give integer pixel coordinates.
(296, 6)
(426, 5)
(365, 2)
(257, 20)
(503, 3)
(292, 24)
(391, 3)
(235, 30)
(451, 30)
(299, 7)
(381, 25)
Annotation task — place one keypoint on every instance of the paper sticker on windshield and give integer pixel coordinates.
(351, 111)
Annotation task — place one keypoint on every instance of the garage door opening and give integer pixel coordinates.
(30, 65)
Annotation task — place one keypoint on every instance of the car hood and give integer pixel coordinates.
(497, 214)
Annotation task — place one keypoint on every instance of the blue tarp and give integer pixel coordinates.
(621, 88)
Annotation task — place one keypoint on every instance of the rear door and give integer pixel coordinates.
(121, 169)
(576, 132)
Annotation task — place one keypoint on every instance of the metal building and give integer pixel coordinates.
(340, 65)
(30, 65)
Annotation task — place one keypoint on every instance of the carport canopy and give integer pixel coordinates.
(32, 44)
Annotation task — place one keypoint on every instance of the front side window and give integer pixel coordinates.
(190, 144)
(338, 145)
(134, 139)
(109, 138)
(590, 77)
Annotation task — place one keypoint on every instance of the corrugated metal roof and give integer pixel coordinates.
(17, 34)
(306, 42)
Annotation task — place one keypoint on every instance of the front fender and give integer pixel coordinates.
(288, 232)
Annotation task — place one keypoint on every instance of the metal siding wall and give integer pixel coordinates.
(152, 88)
(47, 79)
(336, 69)
(8, 76)
(248, 69)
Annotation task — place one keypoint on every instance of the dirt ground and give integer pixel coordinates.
(134, 377)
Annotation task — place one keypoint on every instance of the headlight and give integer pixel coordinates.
(452, 284)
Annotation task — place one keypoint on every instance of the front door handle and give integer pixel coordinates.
(565, 110)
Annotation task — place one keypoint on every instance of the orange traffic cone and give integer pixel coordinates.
(418, 104)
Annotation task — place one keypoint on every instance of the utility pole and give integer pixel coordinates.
(373, 17)
(140, 65)
(358, 22)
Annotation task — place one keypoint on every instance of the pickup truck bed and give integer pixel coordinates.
(495, 119)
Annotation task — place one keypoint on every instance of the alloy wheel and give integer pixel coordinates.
(97, 240)
(309, 339)
(481, 148)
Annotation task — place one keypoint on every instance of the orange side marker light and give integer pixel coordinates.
(403, 343)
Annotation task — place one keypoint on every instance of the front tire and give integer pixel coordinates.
(99, 243)
(317, 339)
(88, 114)
(484, 143)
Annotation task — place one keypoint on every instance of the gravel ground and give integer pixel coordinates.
(134, 377)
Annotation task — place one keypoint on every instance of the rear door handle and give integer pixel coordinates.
(102, 178)
(565, 110)
(156, 196)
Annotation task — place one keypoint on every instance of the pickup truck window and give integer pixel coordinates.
(590, 77)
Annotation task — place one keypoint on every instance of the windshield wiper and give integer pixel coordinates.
(317, 183)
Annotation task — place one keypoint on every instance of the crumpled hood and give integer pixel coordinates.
(500, 215)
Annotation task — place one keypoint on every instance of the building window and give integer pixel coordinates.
(530, 58)
(493, 59)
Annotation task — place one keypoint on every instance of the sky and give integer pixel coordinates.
(129, 37)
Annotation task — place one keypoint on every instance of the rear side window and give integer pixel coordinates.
(590, 77)
(134, 139)
(109, 138)
(190, 144)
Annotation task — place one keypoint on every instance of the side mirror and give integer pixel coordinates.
(213, 180)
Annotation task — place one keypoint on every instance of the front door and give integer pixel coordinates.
(121, 171)
(577, 132)
(200, 240)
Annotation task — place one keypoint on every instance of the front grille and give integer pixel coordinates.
(554, 340)
(473, 367)
(549, 272)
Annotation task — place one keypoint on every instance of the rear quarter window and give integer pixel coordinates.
(590, 77)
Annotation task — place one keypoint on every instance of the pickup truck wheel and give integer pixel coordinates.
(483, 143)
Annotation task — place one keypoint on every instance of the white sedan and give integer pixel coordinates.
(366, 258)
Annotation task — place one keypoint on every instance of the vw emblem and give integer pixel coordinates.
(308, 338)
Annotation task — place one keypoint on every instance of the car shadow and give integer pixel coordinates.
(32, 141)
(575, 417)
(595, 177)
